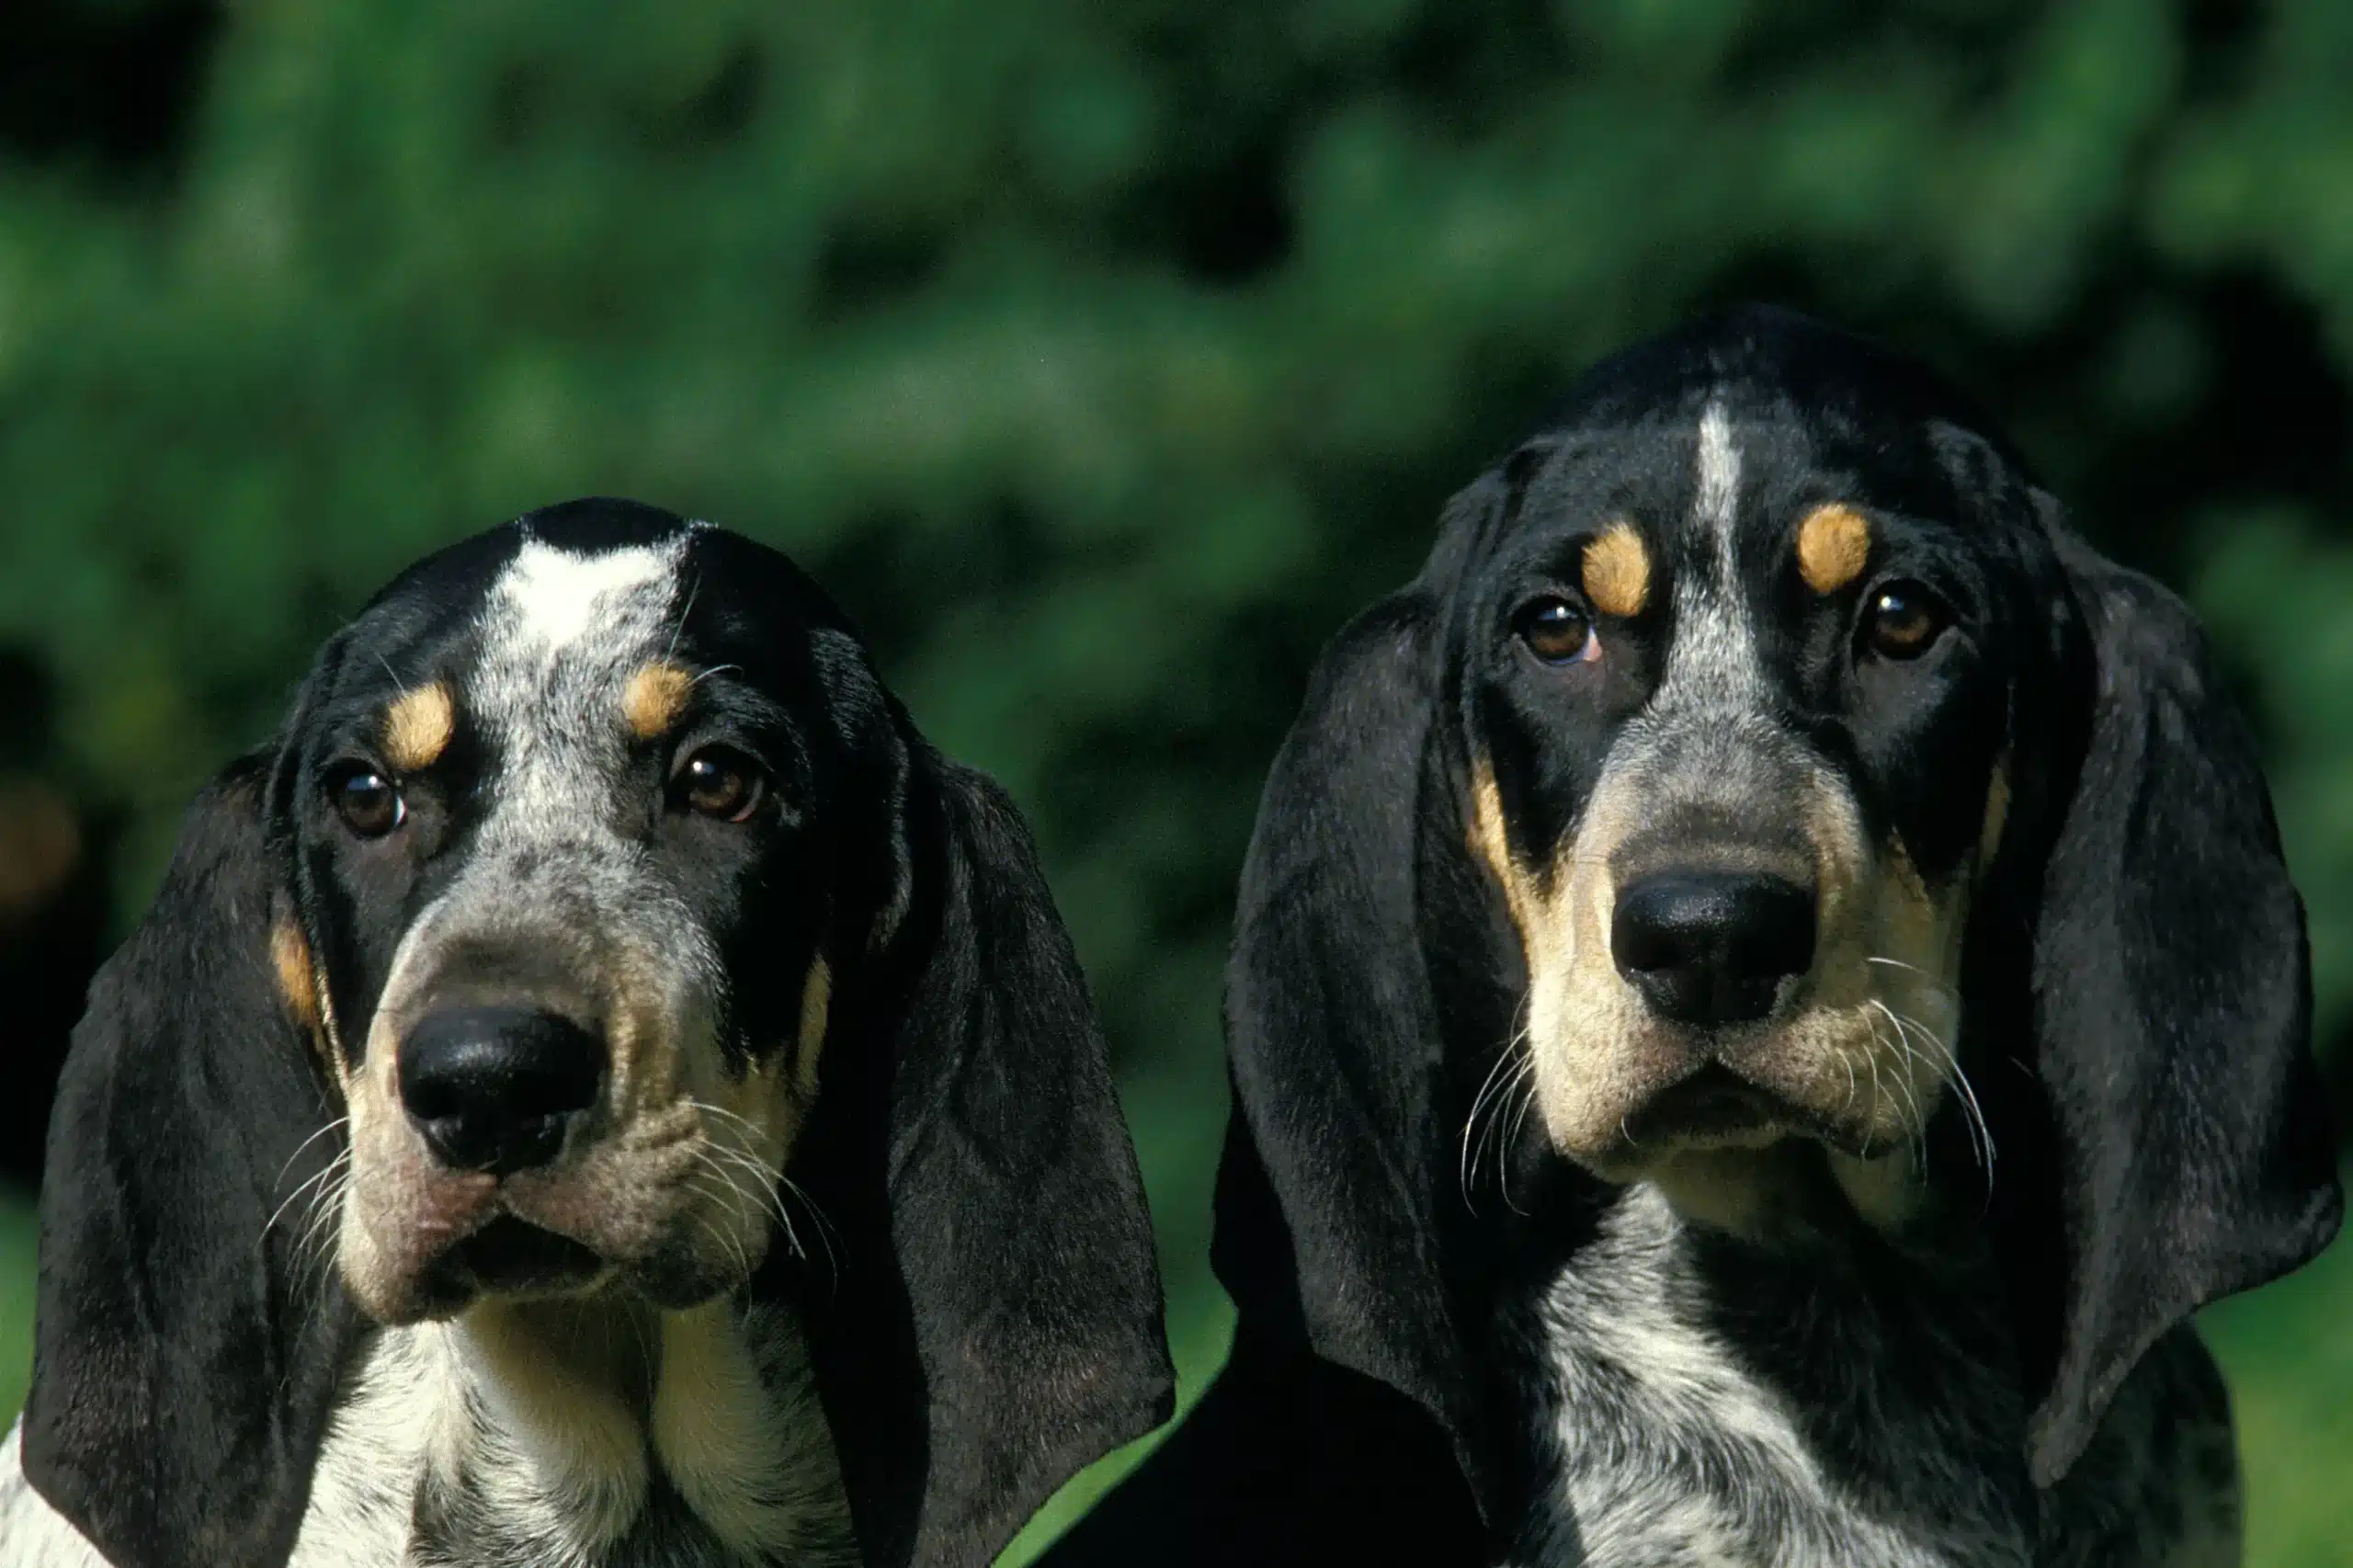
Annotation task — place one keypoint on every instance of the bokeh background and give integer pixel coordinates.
(1101, 356)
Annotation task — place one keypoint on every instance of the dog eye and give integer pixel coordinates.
(1904, 621)
(369, 803)
(1558, 632)
(720, 781)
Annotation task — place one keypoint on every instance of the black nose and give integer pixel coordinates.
(492, 1088)
(1711, 948)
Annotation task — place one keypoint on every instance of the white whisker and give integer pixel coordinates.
(1980, 1140)
(1495, 1091)
(770, 1188)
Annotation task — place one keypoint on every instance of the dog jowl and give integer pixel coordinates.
(1739, 727)
(598, 1087)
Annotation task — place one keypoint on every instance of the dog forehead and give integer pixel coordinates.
(1715, 480)
(552, 610)
(553, 600)
(561, 636)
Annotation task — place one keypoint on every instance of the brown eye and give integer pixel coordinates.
(369, 803)
(1558, 632)
(1904, 621)
(720, 781)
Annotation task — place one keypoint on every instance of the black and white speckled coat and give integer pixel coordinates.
(418, 1191)
(1765, 994)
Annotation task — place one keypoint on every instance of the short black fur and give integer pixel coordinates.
(2135, 977)
(982, 1307)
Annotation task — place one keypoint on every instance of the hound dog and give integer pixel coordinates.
(1766, 994)
(418, 1189)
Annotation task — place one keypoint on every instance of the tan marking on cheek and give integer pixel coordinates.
(298, 984)
(1890, 968)
(1618, 571)
(1910, 921)
(654, 698)
(1492, 845)
(418, 727)
(1997, 813)
(291, 957)
(1582, 1023)
(816, 1003)
(1834, 545)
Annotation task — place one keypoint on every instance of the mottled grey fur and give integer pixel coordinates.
(419, 1471)
(1829, 1396)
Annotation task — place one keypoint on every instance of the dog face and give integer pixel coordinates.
(1739, 711)
(1760, 691)
(560, 917)
(594, 878)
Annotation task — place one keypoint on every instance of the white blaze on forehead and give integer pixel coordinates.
(558, 861)
(1718, 473)
(1711, 662)
(562, 634)
(554, 599)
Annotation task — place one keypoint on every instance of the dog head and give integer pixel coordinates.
(1736, 677)
(575, 833)
(1759, 772)
(595, 884)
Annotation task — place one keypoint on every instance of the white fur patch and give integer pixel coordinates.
(552, 600)
(553, 1462)
(1621, 1320)
(562, 636)
(33, 1534)
(1713, 662)
(1718, 475)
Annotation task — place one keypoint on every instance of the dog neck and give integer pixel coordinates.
(595, 1432)
(1795, 1190)
(1697, 1394)
(1787, 1357)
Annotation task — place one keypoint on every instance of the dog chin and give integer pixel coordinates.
(510, 1259)
(1712, 1112)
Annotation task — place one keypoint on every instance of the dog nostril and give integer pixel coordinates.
(493, 1089)
(1712, 948)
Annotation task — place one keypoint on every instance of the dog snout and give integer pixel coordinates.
(1713, 947)
(494, 1088)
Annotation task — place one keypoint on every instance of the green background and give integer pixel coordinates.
(1101, 356)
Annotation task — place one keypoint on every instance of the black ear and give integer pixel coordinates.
(995, 1319)
(183, 1363)
(1329, 1231)
(2173, 1003)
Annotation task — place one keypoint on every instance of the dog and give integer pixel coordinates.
(1765, 994)
(417, 1188)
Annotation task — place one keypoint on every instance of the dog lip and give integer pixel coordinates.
(1712, 1106)
(510, 1255)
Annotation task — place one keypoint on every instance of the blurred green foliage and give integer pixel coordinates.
(1102, 355)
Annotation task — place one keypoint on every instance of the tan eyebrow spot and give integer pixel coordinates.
(1834, 544)
(290, 955)
(417, 727)
(654, 698)
(1618, 570)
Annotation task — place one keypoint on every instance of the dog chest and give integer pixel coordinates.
(701, 1443)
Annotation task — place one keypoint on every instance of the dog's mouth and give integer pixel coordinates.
(1712, 1109)
(511, 1256)
(629, 1211)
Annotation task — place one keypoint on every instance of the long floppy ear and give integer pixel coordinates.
(183, 1363)
(2172, 1005)
(995, 1319)
(1328, 1225)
